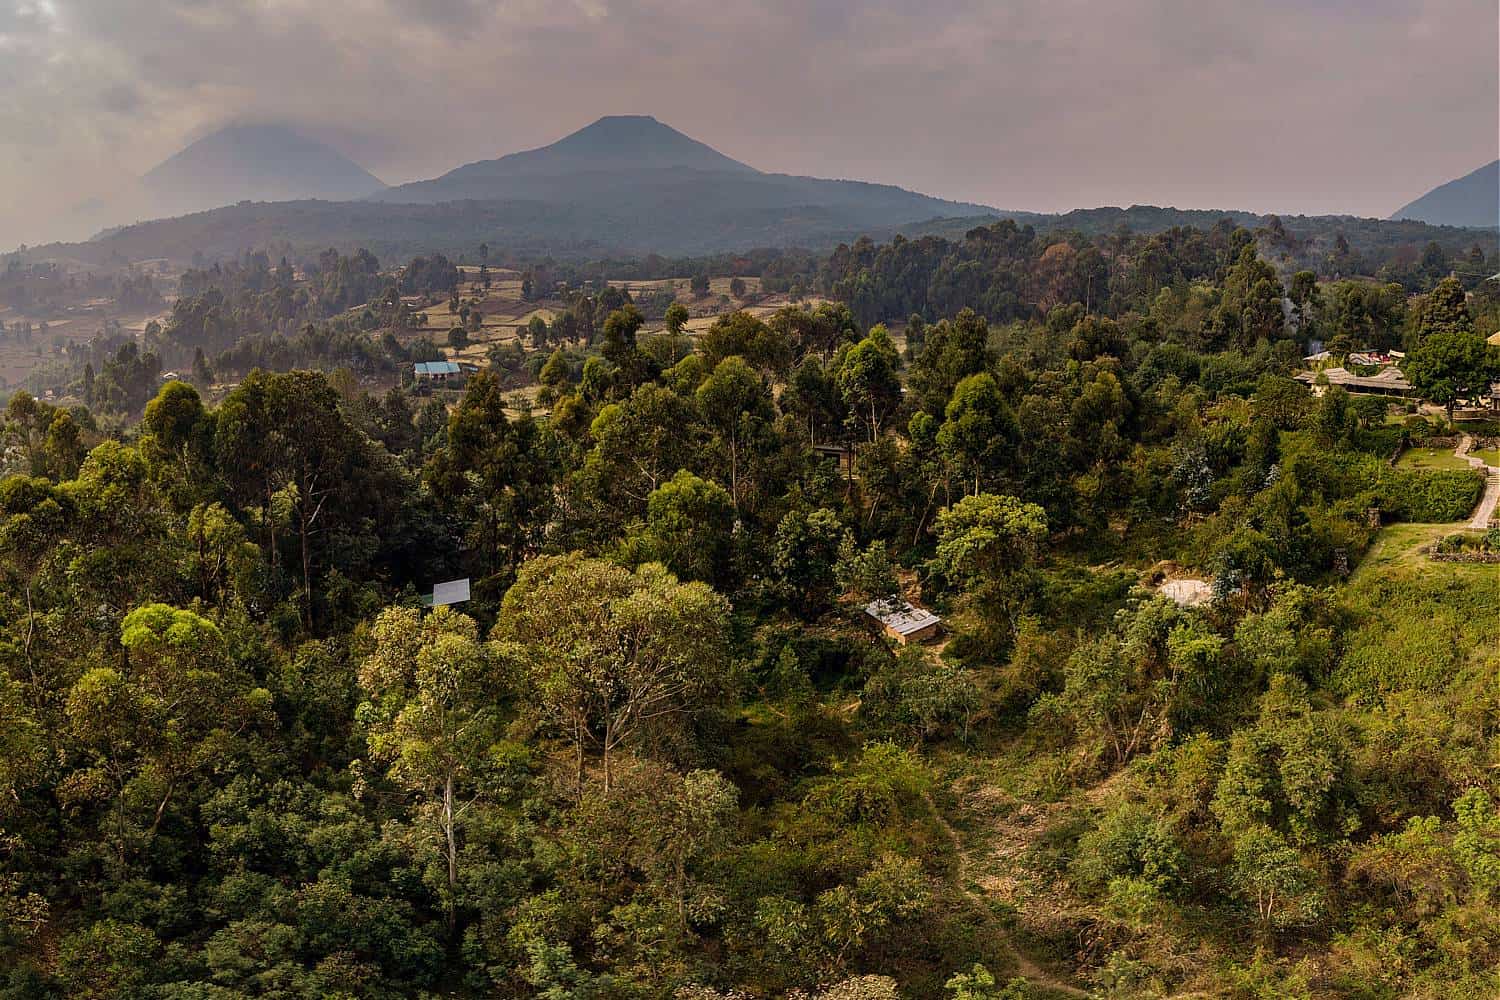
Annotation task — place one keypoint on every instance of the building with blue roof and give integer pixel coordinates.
(438, 371)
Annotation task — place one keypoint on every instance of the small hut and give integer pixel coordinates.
(901, 620)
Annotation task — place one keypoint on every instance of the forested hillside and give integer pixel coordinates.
(1214, 711)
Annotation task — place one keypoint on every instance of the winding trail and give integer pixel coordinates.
(1025, 967)
(1486, 509)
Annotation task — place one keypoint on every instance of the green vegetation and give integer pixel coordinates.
(1415, 624)
(660, 754)
(1438, 457)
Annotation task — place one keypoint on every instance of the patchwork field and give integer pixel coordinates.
(506, 314)
(18, 357)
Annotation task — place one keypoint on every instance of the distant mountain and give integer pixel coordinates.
(1472, 200)
(253, 163)
(399, 231)
(636, 165)
(624, 186)
(619, 146)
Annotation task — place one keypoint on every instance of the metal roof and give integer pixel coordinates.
(452, 592)
(1389, 379)
(900, 615)
(437, 368)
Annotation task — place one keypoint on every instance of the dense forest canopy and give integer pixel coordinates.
(659, 753)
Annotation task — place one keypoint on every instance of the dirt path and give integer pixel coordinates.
(1025, 967)
(1491, 498)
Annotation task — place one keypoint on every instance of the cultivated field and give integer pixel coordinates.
(506, 314)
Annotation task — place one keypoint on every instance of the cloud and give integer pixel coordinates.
(1288, 105)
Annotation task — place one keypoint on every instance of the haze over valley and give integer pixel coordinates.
(649, 500)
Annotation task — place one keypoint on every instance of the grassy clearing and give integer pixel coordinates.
(1415, 623)
(1430, 458)
(1489, 456)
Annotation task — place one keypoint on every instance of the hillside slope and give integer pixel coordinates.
(1471, 200)
(254, 163)
(638, 165)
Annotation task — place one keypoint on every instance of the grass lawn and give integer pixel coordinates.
(1430, 458)
(1490, 456)
(1416, 624)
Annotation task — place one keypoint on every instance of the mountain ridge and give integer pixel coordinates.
(1472, 200)
(630, 157)
(262, 162)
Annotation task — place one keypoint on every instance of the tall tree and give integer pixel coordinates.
(433, 717)
(608, 653)
(979, 433)
(737, 406)
(285, 445)
(495, 474)
(169, 711)
(987, 544)
(1451, 364)
(866, 378)
(1443, 310)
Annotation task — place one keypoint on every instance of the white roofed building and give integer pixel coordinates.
(901, 620)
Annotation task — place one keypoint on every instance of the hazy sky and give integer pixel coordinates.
(1284, 105)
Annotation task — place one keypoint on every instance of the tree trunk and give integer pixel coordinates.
(36, 688)
(271, 523)
(734, 473)
(609, 734)
(452, 835)
(306, 575)
(579, 738)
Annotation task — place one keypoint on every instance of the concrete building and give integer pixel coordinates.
(438, 372)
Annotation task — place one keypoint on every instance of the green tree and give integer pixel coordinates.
(639, 444)
(1251, 308)
(64, 446)
(979, 432)
(171, 710)
(866, 378)
(221, 552)
(979, 984)
(553, 378)
(632, 366)
(987, 544)
(1449, 365)
(1273, 877)
(866, 572)
(22, 747)
(536, 329)
(1133, 689)
(495, 473)
(953, 351)
(737, 406)
(804, 557)
(608, 653)
(285, 446)
(1096, 336)
(1443, 310)
(689, 527)
(432, 717)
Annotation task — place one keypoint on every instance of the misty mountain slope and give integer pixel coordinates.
(614, 145)
(254, 163)
(639, 165)
(1471, 200)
